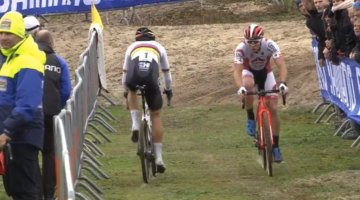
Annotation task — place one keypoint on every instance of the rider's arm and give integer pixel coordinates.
(168, 79)
(238, 68)
(280, 63)
(279, 60)
(165, 68)
(125, 68)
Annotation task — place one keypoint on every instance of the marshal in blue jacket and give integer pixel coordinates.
(21, 93)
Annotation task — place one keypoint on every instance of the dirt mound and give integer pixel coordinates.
(200, 53)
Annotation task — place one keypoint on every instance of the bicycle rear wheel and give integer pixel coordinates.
(268, 144)
(144, 149)
(151, 151)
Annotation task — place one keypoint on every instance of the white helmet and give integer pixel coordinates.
(31, 23)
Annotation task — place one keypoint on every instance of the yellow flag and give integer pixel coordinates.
(95, 16)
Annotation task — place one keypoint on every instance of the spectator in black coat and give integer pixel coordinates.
(57, 88)
(341, 38)
(314, 23)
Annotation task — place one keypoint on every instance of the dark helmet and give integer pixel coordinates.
(144, 34)
(253, 32)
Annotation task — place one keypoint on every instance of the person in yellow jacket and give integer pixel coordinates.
(21, 114)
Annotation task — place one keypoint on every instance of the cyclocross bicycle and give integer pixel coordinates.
(264, 134)
(145, 143)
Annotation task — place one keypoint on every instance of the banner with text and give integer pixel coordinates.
(340, 84)
(37, 7)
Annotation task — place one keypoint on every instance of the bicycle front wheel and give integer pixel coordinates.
(144, 149)
(268, 144)
(260, 145)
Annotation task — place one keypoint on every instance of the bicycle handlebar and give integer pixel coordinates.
(263, 93)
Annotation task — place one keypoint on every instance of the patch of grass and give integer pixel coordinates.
(209, 156)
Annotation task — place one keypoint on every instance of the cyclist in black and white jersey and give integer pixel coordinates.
(143, 60)
(252, 68)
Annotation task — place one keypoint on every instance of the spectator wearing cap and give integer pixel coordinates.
(57, 88)
(32, 25)
(21, 114)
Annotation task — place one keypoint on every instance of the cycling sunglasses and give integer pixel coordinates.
(253, 41)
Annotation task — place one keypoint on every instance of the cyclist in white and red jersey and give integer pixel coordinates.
(252, 69)
(143, 60)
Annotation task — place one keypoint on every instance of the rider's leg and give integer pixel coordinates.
(158, 131)
(249, 83)
(157, 126)
(275, 123)
(270, 83)
(272, 102)
(134, 111)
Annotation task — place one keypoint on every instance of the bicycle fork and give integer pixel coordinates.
(260, 142)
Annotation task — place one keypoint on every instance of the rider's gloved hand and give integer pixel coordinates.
(283, 88)
(125, 94)
(169, 93)
(242, 91)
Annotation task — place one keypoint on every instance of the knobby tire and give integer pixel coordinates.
(145, 164)
(268, 145)
(259, 145)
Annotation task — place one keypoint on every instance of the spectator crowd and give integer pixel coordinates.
(335, 24)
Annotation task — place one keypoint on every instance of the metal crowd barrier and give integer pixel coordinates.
(330, 113)
(74, 153)
(62, 160)
(342, 110)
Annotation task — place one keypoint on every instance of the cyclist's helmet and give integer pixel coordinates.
(144, 34)
(253, 32)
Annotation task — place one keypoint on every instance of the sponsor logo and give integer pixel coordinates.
(144, 66)
(5, 24)
(53, 68)
(272, 48)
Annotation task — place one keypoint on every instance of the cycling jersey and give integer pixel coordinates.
(142, 62)
(257, 64)
(260, 59)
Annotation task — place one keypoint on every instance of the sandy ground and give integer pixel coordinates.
(201, 56)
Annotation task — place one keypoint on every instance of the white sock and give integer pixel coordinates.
(135, 119)
(158, 150)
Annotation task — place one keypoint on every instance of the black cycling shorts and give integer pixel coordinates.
(145, 73)
(260, 78)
